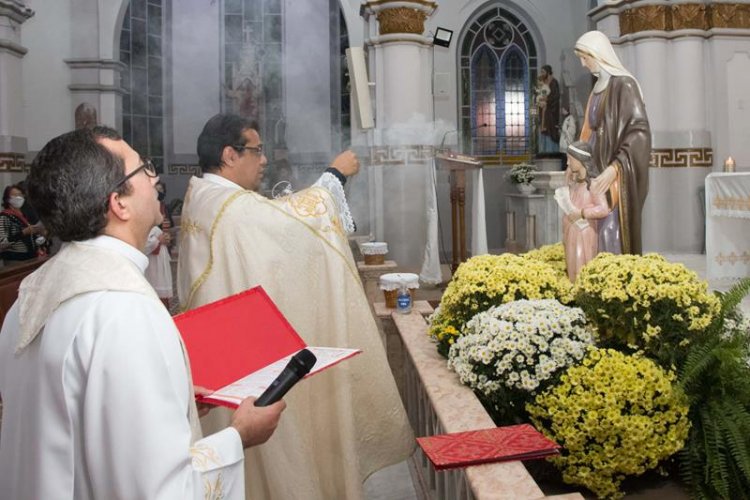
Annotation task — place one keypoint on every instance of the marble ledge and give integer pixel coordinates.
(421, 307)
(457, 410)
(376, 270)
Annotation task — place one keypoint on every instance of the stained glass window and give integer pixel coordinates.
(142, 79)
(497, 63)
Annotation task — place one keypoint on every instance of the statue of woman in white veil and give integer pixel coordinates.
(616, 127)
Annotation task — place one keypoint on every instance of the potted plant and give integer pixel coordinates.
(521, 174)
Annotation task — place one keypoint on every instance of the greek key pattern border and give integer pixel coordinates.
(183, 169)
(401, 155)
(682, 157)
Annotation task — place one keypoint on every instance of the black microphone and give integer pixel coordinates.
(299, 366)
(442, 142)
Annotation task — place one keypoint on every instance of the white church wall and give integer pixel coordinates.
(729, 102)
(47, 101)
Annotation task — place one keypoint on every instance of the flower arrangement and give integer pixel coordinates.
(554, 255)
(510, 351)
(489, 280)
(614, 415)
(522, 173)
(645, 302)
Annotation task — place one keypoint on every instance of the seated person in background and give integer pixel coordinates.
(97, 395)
(18, 237)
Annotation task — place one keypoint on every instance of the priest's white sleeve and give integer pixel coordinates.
(332, 184)
(135, 414)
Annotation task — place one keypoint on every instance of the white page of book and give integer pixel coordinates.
(255, 383)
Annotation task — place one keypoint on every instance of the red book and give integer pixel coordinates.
(499, 444)
(238, 345)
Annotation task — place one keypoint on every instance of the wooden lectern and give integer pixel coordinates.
(457, 165)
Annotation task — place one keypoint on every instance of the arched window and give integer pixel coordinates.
(143, 105)
(498, 61)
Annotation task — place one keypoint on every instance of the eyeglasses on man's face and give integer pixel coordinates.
(258, 150)
(148, 168)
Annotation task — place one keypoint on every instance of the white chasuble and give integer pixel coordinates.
(97, 397)
(344, 423)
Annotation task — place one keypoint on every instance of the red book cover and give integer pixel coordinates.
(237, 346)
(499, 444)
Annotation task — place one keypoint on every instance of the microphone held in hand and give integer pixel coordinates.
(299, 366)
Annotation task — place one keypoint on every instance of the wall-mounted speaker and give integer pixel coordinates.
(360, 85)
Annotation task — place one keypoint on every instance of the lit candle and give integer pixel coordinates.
(729, 164)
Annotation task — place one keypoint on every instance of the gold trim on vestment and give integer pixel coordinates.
(354, 273)
(209, 267)
(214, 491)
(204, 275)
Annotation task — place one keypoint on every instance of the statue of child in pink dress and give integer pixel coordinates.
(580, 225)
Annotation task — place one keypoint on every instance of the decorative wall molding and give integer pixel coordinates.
(12, 162)
(401, 155)
(15, 10)
(13, 48)
(96, 64)
(184, 169)
(96, 87)
(682, 157)
(693, 16)
(401, 20)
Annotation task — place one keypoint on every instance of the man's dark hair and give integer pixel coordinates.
(548, 69)
(221, 131)
(70, 182)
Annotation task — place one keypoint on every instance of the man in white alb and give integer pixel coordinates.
(97, 395)
(345, 423)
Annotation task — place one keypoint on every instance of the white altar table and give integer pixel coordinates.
(728, 225)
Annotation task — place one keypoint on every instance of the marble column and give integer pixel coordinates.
(400, 63)
(13, 143)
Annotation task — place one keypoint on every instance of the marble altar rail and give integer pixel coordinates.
(438, 403)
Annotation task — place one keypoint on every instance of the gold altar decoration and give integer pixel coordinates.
(684, 16)
(401, 20)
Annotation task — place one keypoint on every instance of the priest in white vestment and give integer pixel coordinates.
(97, 396)
(347, 422)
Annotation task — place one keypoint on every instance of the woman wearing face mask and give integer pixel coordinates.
(16, 234)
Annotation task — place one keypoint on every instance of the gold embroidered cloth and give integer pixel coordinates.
(342, 424)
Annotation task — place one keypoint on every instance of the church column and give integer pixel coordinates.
(13, 144)
(402, 143)
(663, 45)
(94, 66)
